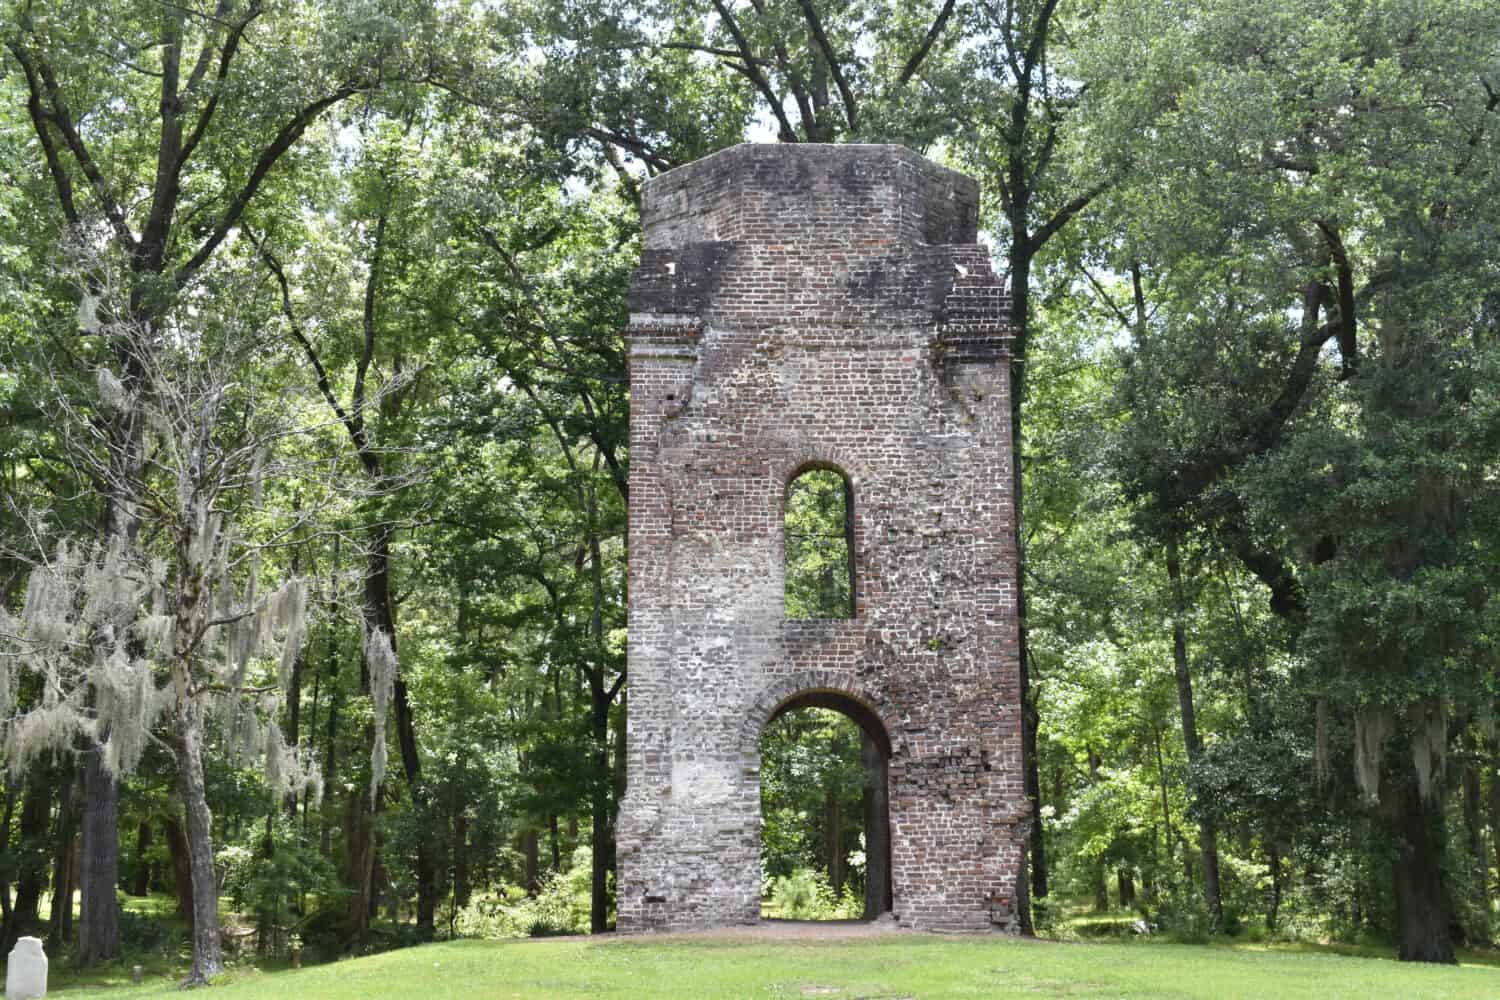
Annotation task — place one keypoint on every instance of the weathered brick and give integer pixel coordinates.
(800, 306)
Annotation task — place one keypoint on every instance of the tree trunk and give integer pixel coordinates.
(1148, 875)
(1477, 928)
(7, 912)
(461, 888)
(877, 829)
(140, 881)
(294, 682)
(359, 840)
(618, 781)
(1423, 911)
(182, 868)
(330, 766)
(265, 918)
(1125, 883)
(31, 882)
(99, 909)
(1161, 777)
(208, 958)
(1494, 803)
(380, 615)
(1273, 860)
(1208, 835)
(1101, 886)
(833, 835)
(603, 833)
(380, 883)
(63, 874)
(294, 699)
(426, 866)
(532, 848)
(330, 756)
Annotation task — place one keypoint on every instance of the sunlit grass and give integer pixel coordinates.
(894, 965)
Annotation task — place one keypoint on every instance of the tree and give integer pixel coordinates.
(192, 109)
(370, 410)
(1287, 193)
(121, 633)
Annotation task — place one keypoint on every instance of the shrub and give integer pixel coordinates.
(806, 895)
(561, 906)
(272, 889)
(1182, 913)
(141, 934)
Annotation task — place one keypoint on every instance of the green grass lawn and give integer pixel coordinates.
(887, 966)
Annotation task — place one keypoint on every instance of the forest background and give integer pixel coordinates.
(314, 440)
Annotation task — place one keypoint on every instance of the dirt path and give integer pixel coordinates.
(779, 930)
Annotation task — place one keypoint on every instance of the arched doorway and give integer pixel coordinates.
(825, 811)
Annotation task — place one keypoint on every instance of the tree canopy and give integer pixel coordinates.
(314, 452)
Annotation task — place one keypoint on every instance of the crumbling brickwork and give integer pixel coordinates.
(805, 306)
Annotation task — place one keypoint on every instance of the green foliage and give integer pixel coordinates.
(456, 228)
(560, 906)
(274, 884)
(812, 784)
(804, 894)
(818, 533)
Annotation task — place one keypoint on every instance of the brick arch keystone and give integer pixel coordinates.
(824, 689)
(796, 456)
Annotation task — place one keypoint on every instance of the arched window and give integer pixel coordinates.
(819, 529)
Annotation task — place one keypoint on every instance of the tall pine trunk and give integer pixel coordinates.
(1032, 880)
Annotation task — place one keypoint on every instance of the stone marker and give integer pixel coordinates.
(26, 970)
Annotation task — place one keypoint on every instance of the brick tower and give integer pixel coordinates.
(798, 307)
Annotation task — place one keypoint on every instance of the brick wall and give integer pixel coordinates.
(799, 306)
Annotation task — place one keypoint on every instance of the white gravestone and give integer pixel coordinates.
(26, 971)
